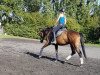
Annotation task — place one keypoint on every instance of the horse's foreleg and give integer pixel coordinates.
(56, 49)
(40, 54)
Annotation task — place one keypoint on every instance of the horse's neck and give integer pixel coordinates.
(49, 32)
(48, 35)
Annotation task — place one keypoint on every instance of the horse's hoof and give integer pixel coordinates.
(65, 61)
(81, 65)
(40, 57)
(55, 61)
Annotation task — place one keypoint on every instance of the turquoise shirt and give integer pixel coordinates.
(62, 20)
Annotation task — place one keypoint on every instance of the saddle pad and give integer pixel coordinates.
(60, 31)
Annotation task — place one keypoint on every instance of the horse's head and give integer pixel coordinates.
(43, 33)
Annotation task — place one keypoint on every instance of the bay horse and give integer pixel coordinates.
(75, 39)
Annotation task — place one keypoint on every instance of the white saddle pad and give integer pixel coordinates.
(60, 31)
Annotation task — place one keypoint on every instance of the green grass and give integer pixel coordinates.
(95, 45)
(3, 36)
(8, 36)
(11, 36)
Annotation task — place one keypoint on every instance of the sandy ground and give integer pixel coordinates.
(20, 57)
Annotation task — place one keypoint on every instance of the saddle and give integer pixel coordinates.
(60, 32)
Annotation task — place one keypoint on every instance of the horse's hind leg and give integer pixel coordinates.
(81, 59)
(80, 55)
(73, 52)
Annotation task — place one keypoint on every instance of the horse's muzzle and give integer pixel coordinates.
(41, 40)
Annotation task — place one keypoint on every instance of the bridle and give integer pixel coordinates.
(44, 34)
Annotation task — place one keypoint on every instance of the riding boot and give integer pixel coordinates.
(54, 38)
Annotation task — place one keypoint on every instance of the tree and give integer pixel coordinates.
(33, 5)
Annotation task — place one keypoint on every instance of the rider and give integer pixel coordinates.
(61, 21)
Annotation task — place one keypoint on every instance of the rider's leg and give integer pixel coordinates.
(54, 38)
(55, 29)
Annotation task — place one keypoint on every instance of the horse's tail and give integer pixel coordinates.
(82, 44)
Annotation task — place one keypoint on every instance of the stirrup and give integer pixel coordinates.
(54, 42)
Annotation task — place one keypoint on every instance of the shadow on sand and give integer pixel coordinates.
(46, 57)
(49, 58)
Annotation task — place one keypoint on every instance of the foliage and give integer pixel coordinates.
(31, 26)
(33, 5)
(73, 24)
(3, 7)
(78, 15)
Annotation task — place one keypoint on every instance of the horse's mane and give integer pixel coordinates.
(46, 29)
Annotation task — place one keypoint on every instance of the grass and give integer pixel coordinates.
(95, 45)
(10, 36)
(5, 36)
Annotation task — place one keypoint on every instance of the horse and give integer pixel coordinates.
(75, 39)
